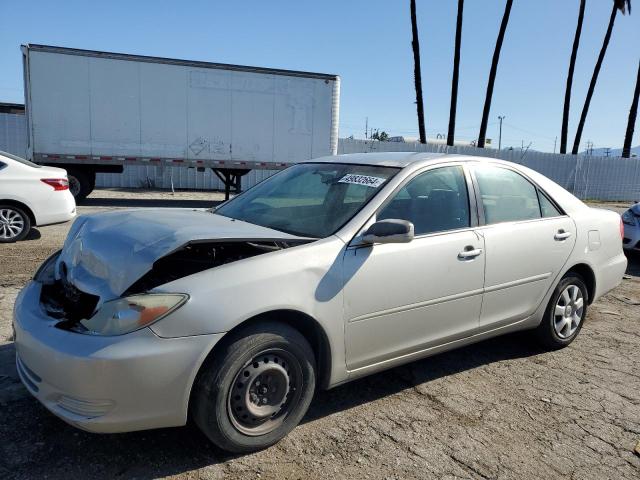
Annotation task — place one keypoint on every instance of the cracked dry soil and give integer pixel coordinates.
(502, 408)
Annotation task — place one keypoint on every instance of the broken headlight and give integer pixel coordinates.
(127, 314)
(46, 272)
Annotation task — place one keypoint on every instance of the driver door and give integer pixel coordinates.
(401, 298)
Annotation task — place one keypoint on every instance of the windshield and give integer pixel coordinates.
(18, 159)
(309, 199)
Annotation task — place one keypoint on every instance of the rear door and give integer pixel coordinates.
(527, 239)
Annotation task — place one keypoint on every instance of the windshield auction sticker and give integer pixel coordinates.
(365, 180)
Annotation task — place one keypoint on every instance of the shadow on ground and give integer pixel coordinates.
(633, 265)
(31, 437)
(34, 234)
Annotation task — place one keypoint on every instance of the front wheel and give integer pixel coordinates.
(565, 313)
(256, 388)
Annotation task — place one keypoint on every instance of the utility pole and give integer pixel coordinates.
(589, 148)
(500, 117)
(554, 144)
(366, 128)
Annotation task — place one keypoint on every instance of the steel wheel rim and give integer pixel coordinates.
(74, 185)
(568, 311)
(264, 392)
(11, 224)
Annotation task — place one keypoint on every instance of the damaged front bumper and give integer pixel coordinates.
(105, 384)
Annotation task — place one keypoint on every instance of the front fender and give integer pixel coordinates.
(307, 279)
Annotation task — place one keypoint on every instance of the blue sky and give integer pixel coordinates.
(368, 44)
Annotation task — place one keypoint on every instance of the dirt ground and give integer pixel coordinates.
(502, 408)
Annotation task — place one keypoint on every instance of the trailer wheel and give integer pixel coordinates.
(81, 183)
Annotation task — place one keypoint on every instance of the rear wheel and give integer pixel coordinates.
(565, 313)
(256, 388)
(14, 224)
(81, 183)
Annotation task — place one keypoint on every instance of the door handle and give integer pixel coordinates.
(469, 252)
(561, 235)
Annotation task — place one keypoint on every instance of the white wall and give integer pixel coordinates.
(13, 134)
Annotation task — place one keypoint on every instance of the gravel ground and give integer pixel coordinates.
(498, 409)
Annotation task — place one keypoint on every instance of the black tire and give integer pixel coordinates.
(547, 332)
(81, 183)
(11, 218)
(223, 405)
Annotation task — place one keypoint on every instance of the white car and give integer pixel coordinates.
(328, 271)
(31, 195)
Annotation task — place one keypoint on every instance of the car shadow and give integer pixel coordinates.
(35, 433)
(34, 234)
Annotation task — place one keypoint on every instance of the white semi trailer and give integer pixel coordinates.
(91, 111)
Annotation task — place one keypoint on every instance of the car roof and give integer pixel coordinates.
(383, 159)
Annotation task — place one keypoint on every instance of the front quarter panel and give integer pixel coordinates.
(307, 279)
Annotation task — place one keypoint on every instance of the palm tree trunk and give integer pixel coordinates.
(594, 79)
(415, 44)
(567, 93)
(492, 74)
(454, 79)
(633, 113)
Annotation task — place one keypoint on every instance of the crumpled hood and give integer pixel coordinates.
(106, 253)
(636, 208)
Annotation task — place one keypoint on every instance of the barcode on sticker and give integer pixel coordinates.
(365, 180)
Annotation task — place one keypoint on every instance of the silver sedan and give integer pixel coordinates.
(631, 221)
(328, 271)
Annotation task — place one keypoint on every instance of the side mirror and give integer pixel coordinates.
(389, 231)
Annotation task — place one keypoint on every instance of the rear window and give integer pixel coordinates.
(19, 159)
(506, 195)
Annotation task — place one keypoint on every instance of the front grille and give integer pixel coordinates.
(64, 301)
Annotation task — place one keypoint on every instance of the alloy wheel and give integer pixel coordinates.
(568, 311)
(11, 224)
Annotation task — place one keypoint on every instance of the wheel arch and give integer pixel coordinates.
(22, 206)
(308, 326)
(589, 277)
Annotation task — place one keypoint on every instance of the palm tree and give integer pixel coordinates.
(567, 93)
(492, 74)
(633, 113)
(617, 5)
(456, 72)
(415, 44)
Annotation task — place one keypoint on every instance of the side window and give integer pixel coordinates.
(547, 208)
(433, 201)
(2, 165)
(506, 195)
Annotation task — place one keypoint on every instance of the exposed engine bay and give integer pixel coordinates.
(195, 257)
